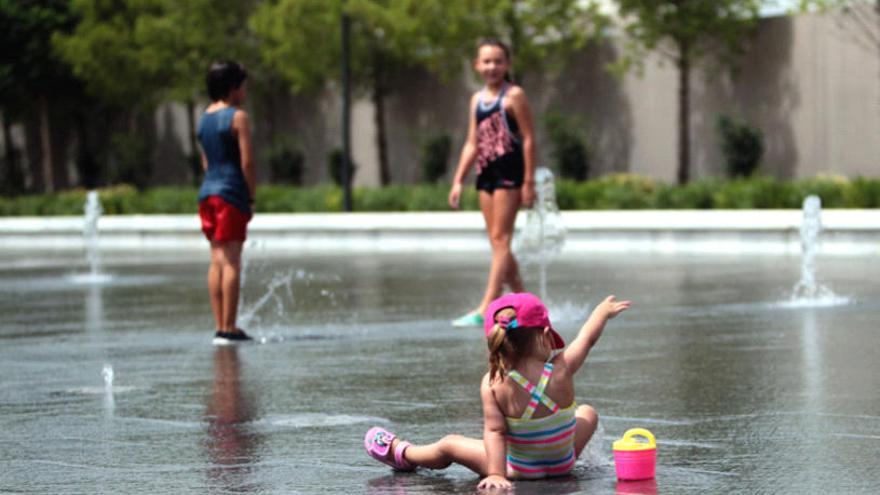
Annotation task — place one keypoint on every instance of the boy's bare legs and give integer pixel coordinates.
(223, 283)
(231, 281)
(499, 211)
(215, 284)
(469, 452)
(586, 421)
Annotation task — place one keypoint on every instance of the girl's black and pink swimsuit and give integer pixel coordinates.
(500, 162)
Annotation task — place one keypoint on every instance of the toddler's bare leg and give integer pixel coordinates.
(586, 420)
(469, 452)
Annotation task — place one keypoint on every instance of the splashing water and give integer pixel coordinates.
(107, 373)
(808, 291)
(109, 402)
(93, 211)
(279, 286)
(543, 235)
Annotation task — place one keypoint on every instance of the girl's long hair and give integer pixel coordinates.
(504, 48)
(506, 347)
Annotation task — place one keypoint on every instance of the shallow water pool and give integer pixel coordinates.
(745, 392)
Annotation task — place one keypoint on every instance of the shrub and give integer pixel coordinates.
(863, 193)
(285, 163)
(435, 157)
(169, 200)
(129, 160)
(389, 198)
(119, 200)
(284, 199)
(697, 195)
(334, 166)
(830, 188)
(568, 147)
(741, 145)
(620, 191)
(431, 198)
(757, 192)
(625, 191)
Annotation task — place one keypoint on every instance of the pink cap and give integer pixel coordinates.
(530, 312)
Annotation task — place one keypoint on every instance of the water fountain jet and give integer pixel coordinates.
(543, 235)
(808, 291)
(109, 402)
(92, 212)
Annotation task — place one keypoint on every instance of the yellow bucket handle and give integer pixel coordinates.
(632, 432)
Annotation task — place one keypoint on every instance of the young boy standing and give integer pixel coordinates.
(227, 192)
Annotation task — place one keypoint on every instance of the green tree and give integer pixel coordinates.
(543, 34)
(138, 53)
(180, 40)
(686, 31)
(31, 74)
(299, 39)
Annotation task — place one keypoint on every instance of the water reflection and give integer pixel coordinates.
(642, 487)
(94, 309)
(427, 481)
(231, 447)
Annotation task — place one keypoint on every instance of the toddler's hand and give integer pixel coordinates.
(495, 482)
(611, 307)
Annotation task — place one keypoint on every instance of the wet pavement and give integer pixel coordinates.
(745, 392)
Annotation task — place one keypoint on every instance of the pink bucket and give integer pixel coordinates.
(635, 460)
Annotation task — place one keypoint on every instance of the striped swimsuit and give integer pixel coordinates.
(537, 448)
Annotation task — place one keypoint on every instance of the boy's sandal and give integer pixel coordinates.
(378, 441)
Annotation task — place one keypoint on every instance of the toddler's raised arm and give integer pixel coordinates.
(575, 354)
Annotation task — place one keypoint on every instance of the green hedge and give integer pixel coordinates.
(611, 192)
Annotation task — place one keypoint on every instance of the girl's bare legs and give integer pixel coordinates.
(469, 452)
(223, 283)
(499, 211)
(586, 421)
(513, 278)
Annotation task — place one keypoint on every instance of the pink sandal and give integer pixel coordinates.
(378, 441)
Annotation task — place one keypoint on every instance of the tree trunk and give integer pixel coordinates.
(13, 182)
(195, 161)
(46, 146)
(684, 113)
(379, 92)
(516, 40)
(346, 113)
(89, 175)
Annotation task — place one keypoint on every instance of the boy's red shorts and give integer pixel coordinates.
(222, 222)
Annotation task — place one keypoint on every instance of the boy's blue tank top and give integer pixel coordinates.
(224, 177)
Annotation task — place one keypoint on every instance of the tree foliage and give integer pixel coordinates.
(27, 62)
(699, 25)
(144, 51)
(542, 34)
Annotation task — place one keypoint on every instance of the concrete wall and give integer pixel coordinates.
(735, 232)
(811, 90)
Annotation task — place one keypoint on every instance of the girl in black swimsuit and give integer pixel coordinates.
(500, 142)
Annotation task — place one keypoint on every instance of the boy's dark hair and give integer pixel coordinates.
(223, 77)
